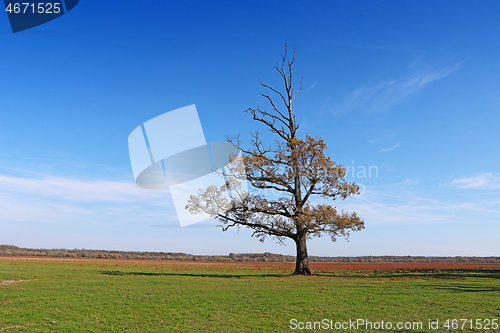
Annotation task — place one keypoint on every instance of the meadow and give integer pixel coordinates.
(108, 295)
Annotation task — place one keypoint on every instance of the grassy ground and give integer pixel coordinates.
(79, 295)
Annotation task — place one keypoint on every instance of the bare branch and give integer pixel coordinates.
(256, 226)
(281, 132)
(276, 91)
(290, 167)
(276, 109)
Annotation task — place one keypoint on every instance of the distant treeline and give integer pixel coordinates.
(10, 250)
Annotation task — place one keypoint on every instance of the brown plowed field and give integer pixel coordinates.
(268, 266)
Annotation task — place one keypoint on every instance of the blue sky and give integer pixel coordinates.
(409, 88)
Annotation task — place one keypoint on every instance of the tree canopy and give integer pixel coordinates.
(283, 176)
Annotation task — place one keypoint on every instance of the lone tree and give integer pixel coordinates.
(294, 169)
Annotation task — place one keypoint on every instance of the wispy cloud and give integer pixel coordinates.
(383, 136)
(58, 200)
(311, 87)
(406, 203)
(70, 162)
(483, 181)
(385, 94)
(77, 189)
(390, 148)
(402, 212)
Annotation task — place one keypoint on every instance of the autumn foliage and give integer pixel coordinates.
(294, 170)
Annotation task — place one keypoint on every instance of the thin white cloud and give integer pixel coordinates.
(58, 201)
(483, 181)
(79, 190)
(400, 213)
(372, 202)
(399, 204)
(76, 163)
(405, 203)
(390, 148)
(311, 87)
(382, 96)
(384, 136)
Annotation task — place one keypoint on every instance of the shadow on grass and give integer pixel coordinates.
(449, 274)
(460, 273)
(423, 273)
(469, 289)
(212, 275)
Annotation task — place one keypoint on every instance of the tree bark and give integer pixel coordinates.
(302, 264)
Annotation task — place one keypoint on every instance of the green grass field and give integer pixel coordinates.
(106, 295)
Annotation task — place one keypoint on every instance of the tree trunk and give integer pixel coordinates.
(302, 265)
